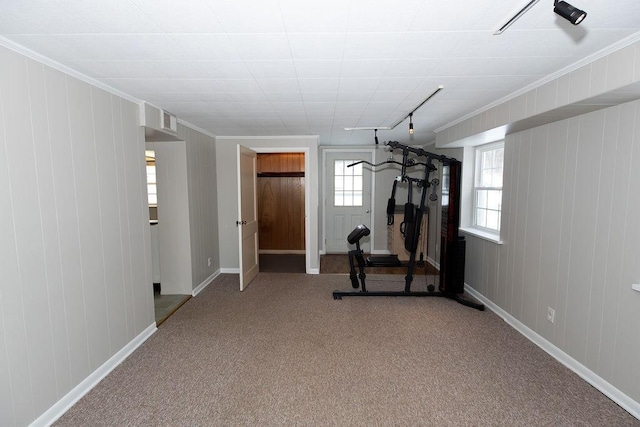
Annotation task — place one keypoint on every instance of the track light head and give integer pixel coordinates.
(568, 12)
(411, 124)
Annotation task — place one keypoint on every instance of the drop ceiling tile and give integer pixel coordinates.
(460, 66)
(215, 97)
(367, 16)
(239, 85)
(359, 85)
(309, 69)
(317, 46)
(399, 84)
(412, 67)
(372, 46)
(259, 108)
(328, 16)
(121, 47)
(205, 46)
(353, 109)
(10, 24)
(261, 46)
(319, 96)
(189, 17)
(272, 69)
(226, 69)
(319, 85)
(390, 96)
(242, 97)
(294, 108)
(426, 44)
(194, 85)
(364, 67)
(278, 85)
(283, 96)
(249, 16)
(320, 108)
(181, 69)
(354, 96)
(453, 16)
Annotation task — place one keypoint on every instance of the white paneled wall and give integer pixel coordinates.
(75, 280)
(203, 205)
(571, 240)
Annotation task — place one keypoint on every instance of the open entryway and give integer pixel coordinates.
(281, 212)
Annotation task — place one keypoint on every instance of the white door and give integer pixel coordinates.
(248, 213)
(348, 199)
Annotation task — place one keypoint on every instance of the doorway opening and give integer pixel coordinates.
(165, 213)
(281, 212)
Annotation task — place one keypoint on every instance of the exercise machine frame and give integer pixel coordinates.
(452, 245)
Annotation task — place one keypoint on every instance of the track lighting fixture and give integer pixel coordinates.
(515, 17)
(568, 12)
(408, 116)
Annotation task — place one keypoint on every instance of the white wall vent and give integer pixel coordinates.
(169, 122)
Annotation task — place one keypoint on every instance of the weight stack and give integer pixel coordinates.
(452, 269)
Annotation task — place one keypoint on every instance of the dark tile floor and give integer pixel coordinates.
(166, 305)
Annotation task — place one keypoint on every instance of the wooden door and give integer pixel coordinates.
(248, 213)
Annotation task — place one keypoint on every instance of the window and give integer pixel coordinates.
(488, 187)
(348, 183)
(152, 188)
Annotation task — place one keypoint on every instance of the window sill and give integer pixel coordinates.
(482, 234)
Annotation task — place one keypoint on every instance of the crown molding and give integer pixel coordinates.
(621, 44)
(18, 48)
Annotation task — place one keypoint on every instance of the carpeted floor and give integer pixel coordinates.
(283, 352)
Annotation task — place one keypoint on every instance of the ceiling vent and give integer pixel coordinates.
(169, 122)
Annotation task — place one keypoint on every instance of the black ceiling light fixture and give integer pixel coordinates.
(408, 116)
(568, 12)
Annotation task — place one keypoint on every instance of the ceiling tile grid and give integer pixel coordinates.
(270, 67)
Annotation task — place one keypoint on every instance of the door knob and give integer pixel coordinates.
(367, 211)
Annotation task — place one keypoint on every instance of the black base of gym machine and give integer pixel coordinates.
(452, 246)
(358, 280)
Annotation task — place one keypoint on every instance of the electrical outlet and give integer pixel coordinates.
(551, 314)
(209, 262)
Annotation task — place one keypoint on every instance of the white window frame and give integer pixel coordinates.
(477, 187)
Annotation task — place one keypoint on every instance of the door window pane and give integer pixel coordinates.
(348, 183)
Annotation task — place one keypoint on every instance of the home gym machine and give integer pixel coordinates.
(452, 246)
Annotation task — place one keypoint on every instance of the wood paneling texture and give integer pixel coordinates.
(281, 202)
(74, 234)
(571, 237)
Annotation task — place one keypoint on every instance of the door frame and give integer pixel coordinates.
(307, 194)
(372, 151)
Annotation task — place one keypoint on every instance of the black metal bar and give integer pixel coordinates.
(423, 294)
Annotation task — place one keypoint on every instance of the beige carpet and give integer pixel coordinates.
(283, 353)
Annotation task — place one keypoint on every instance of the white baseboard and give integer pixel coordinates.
(434, 263)
(205, 283)
(582, 371)
(63, 405)
(314, 271)
(235, 270)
